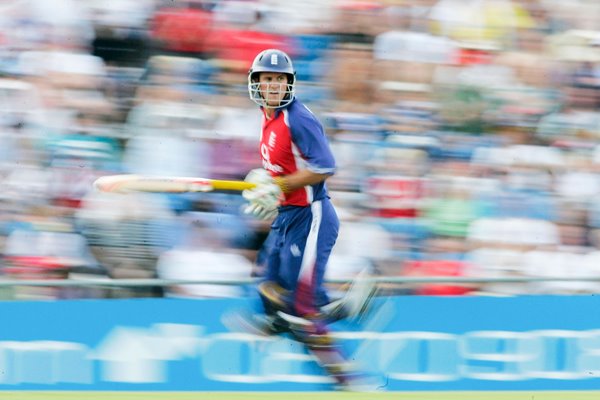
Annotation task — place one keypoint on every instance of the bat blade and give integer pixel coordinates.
(156, 184)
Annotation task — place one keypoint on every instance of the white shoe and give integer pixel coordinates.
(364, 387)
(360, 382)
(357, 298)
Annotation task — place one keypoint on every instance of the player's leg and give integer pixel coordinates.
(327, 352)
(313, 333)
(283, 263)
(305, 252)
(356, 300)
(304, 255)
(284, 291)
(309, 239)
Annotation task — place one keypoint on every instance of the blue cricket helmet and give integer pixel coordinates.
(271, 60)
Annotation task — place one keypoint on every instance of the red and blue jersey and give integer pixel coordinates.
(292, 140)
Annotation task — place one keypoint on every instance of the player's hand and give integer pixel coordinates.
(264, 199)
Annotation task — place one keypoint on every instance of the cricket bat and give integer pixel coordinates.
(161, 184)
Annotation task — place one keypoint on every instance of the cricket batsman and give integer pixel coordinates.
(291, 188)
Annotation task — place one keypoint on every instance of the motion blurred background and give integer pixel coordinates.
(466, 134)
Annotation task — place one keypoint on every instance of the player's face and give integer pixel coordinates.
(273, 86)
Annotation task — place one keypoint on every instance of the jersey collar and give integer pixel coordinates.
(278, 110)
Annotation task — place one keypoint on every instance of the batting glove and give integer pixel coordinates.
(264, 199)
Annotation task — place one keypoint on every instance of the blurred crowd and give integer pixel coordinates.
(465, 131)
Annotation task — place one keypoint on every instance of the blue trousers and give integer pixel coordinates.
(301, 240)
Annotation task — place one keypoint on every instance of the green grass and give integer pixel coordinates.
(299, 396)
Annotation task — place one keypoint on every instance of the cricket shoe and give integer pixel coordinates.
(357, 299)
(254, 323)
(360, 382)
(351, 379)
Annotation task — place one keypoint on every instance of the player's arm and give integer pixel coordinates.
(309, 138)
(266, 196)
(300, 179)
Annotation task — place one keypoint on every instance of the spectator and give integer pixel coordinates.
(205, 254)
